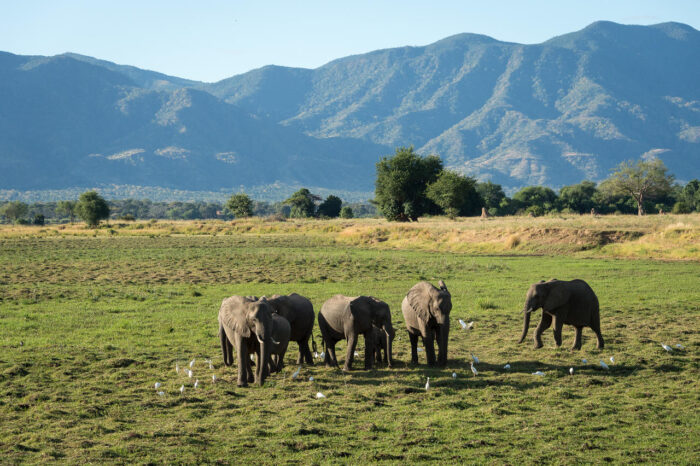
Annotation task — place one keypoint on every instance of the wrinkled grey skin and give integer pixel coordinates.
(564, 302)
(343, 317)
(243, 323)
(426, 310)
(299, 312)
(280, 339)
(380, 344)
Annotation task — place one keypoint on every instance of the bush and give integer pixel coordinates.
(330, 207)
(346, 212)
(126, 218)
(681, 207)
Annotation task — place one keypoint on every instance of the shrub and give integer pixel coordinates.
(346, 212)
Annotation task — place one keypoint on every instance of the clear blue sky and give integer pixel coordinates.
(212, 40)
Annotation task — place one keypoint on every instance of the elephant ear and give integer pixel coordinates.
(418, 298)
(557, 296)
(232, 315)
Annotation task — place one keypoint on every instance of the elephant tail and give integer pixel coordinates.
(314, 348)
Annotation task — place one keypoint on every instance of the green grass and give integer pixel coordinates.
(88, 325)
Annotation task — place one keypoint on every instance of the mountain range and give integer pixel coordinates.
(553, 113)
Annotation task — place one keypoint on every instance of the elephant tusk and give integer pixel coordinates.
(529, 310)
(274, 342)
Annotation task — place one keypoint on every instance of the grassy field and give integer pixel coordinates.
(91, 320)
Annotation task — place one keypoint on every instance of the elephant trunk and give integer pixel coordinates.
(389, 335)
(526, 324)
(444, 337)
(262, 363)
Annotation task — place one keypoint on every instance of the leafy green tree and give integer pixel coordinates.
(240, 205)
(66, 208)
(401, 183)
(302, 203)
(641, 180)
(39, 219)
(455, 194)
(539, 196)
(346, 212)
(578, 197)
(330, 207)
(14, 210)
(92, 208)
(688, 198)
(492, 196)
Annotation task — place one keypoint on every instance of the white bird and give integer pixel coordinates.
(192, 363)
(427, 384)
(474, 369)
(462, 323)
(585, 361)
(507, 366)
(196, 383)
(666, 347)
(211, 367)
(538, 373)
(454, 375)
(311, 379)
(357, 355)
(320, 395)
(189, 373)
(612, 360)
(213, 378)
(679, 346)
(322, 355)
(476, 360)
(603, 365)
(571, 370)
(470, 325)
(161, 393)
(182, 389)
(177, 368)
(419, 350)
(157, 385)
(315, 355)
(296, 373)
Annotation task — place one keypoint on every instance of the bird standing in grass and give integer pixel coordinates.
(158, 384)
(427, 384)
(182, 389)
(454, 375)
(474, 369)
(213, 378)
(192, 364)
(603, 365)
(196, 383)
(571, 370)
(296, 373)
(476, 360)
(666, 347)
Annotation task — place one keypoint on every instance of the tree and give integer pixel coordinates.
(578, 197)
(401, 183)
(536, 199)
(330, 207)
(454, 194)
(240, 205)
(66, 208)
(492, 196)
(641, 180)
(92, 208)
(302, 203)
(14, 210)
(688, 198)
(346, 212)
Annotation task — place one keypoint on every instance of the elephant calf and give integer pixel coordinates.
(564, 302)
(380, 345)
(280, 339)
(344, 317)
(299, 312)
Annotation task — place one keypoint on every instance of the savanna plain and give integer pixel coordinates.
(91, 319)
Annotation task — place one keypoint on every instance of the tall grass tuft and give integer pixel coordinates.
(513, 241)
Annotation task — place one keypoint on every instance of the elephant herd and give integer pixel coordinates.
(264, 326)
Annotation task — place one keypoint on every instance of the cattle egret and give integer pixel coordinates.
(315, 355)
(311, 379)
(474, 369)
(357, 355)
(189, 373)
(191, 363)
(177, 368)
(679, 346)
(476, 360)
(538, 373)
(419, 350)
(585, 361)
(157, 385)
(161, 393)
(603, 365)
(320, 395)
(427, 384)
(213, 378)
(196, 383)
(454, 375)
(462, 323)
(182, 389)
(210, 364)
(470, 325)
(612, 360)
(666, 347)
(507, 366)
(296, 373)
(322, 355)
(571, 370)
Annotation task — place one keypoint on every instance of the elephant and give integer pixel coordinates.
(299, 312)
(426, 310)
(243, 323)
(567, 302)
(380, 345)
(281, 330)
(347, 317)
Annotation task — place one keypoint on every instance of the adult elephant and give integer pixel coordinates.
(564, 302)
(426, 310)
(344, 317)
(243, 323)
(299, 312)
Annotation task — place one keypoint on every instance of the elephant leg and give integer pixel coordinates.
(429, 343)
(305, 353)
(414, 347)
(599, 336)
(350, 356)
(243, 361)
(577, 339)
(558, 326)
(369, 350)
(331, 358)
(544, 324)
(226, 347)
